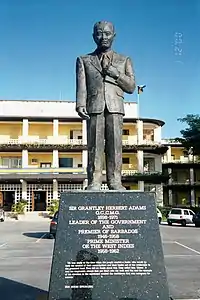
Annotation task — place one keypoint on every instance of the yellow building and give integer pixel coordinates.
(183, 170)
(43, 152)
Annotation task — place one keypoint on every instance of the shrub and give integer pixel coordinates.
(53, 207)
(19, 207)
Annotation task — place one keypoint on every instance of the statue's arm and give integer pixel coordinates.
(81, 89)
(127, 81)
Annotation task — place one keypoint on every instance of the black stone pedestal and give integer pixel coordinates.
(108, 247)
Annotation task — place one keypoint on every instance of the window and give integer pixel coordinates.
(191, 213)
(125, 160)
(11, 162)
(45, 165)
(79, 137)
(175, 212)
(186, 212)
(80, 165)
(66, 162)
(71, 135)
(125, 132)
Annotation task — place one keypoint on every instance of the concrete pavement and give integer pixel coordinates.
(26, 253)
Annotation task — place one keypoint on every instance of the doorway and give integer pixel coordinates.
(40, 201)
(8, 199)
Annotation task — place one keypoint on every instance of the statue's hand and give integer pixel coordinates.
(82, 112)
(113, 72)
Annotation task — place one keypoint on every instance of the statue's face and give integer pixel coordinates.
(104, 35)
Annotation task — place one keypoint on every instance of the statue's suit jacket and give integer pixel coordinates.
(94, 92)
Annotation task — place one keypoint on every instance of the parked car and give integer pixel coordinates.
(196, 219)
(159, 214)
(182, 216)
(2, 215)
(53, 225)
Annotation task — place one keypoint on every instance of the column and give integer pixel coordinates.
(24, 189)
(55, 159)
(55, 189)
(84, 142)
(169, 154)
(192, 198)
(24, 158)
(191, 176)
(192, 194)
(159, 194)
(55, 128)
(25, 128)
(158, 163)
(139, 131)
(84, 132)
(85, 184)
(140, 158)
(170, 176)
(84, 159)
(170, 195)
(157, 134)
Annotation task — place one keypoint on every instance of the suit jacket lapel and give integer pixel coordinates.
(114, 60)
(95, 61)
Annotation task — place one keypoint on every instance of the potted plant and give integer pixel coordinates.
(19, 209)
(53, 207)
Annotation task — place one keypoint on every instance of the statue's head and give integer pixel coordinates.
(103, 34)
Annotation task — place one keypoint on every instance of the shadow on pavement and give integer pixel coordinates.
(37, 235)
(12, 290)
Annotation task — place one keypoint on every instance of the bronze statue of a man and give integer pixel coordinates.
(102, 77)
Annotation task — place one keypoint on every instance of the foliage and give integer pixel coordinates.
(154, 148)
(19, 207)
(164, 211)
(40, 146)
(53, 207)
(191, 134)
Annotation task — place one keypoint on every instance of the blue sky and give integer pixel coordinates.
(40, 40)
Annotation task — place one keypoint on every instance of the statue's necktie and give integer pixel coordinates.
(105, 60)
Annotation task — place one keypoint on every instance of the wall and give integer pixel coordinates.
(41, 157)
(64, 129)
(40, 129)
(177, 152)
(13, 130)
(61, 109)
(133, 163)
(132, 131)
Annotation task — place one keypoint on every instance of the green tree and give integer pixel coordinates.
(191, 134)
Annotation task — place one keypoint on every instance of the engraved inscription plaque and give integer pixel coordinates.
(108, 246)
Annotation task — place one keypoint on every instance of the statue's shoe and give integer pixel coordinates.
(117, 187)
(94, 187)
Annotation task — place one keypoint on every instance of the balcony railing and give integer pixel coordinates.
(35, 170)
(53, 141)
(184, 160)
(4, 170)
(65, 141)
(170, 141)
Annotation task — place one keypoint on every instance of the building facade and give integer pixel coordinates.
(43, 152)
(183, 171)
